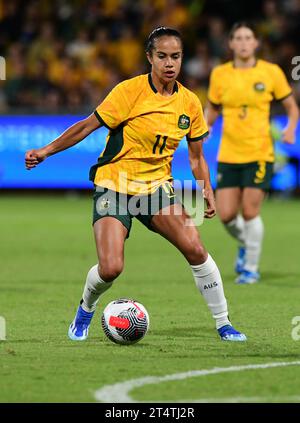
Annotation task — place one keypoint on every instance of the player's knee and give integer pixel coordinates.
(227, 217)
(196, 253)
(250, 213)
(110, 269)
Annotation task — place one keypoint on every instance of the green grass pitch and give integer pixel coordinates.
(46, 249)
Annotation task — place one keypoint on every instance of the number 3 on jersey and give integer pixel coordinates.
(159, 145)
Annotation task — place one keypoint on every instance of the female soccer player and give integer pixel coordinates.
(147, 116)
(244, 88)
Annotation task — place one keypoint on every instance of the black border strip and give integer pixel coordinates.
(175, 89)
(215, 105)
(283, 98)
(187, 412)
(197, 138)
(101, 120)
(151, 83)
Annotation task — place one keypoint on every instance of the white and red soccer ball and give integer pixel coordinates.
(125, 321)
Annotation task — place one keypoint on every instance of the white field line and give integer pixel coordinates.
(119, 392)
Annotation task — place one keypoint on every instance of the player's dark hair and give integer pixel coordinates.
(161, 32)
(242, 24)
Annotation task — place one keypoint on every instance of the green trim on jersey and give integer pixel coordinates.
(113, 147)
(101, 120)
(197, 138)
(175, 88)
(284, 97)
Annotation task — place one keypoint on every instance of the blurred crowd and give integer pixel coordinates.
(64, 56)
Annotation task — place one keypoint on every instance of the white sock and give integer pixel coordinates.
(209, 283)
(254, 230)
(94, 287)
(236, 228)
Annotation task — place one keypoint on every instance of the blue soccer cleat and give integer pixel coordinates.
(228, 333)
(240, 260)
(79, 328)
(247, 277)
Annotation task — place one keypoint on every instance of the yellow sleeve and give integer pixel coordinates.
(281, 87)
(198, 128)
(115, 108)
(214, 89)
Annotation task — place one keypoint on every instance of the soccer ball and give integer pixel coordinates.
(125, 321)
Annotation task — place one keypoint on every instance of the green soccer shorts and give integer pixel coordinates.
(125, 207)
(243, 175)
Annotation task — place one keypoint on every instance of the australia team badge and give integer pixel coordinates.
(183, 122)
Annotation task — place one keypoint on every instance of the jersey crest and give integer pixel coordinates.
(259, 86)
(183, 122)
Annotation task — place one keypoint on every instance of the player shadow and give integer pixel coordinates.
(91, 343)
(184, 331)
(269, 277)
(103, 342)
(277, 278)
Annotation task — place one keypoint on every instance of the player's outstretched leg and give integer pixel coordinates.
(209, 282)
(94, 287)
(178, 228)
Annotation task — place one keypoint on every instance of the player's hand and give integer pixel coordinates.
(34, 157)
(209, 198)
(288, 136)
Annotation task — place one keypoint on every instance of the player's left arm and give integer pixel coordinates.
(290, 105)
(201, 173)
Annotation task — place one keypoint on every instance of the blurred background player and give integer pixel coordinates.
(242, 90)
(147, 117)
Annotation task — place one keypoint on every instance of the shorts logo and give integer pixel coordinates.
(169, 190)
(219, 177)
(183, 122)
(104, 204)
(260, 173)
(259, 86)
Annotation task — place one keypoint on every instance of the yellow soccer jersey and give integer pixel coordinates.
(145, 130)
(245, 96)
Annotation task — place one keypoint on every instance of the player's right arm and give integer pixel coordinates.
(73, 135)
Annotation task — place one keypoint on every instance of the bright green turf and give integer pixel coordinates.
(46, 249)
